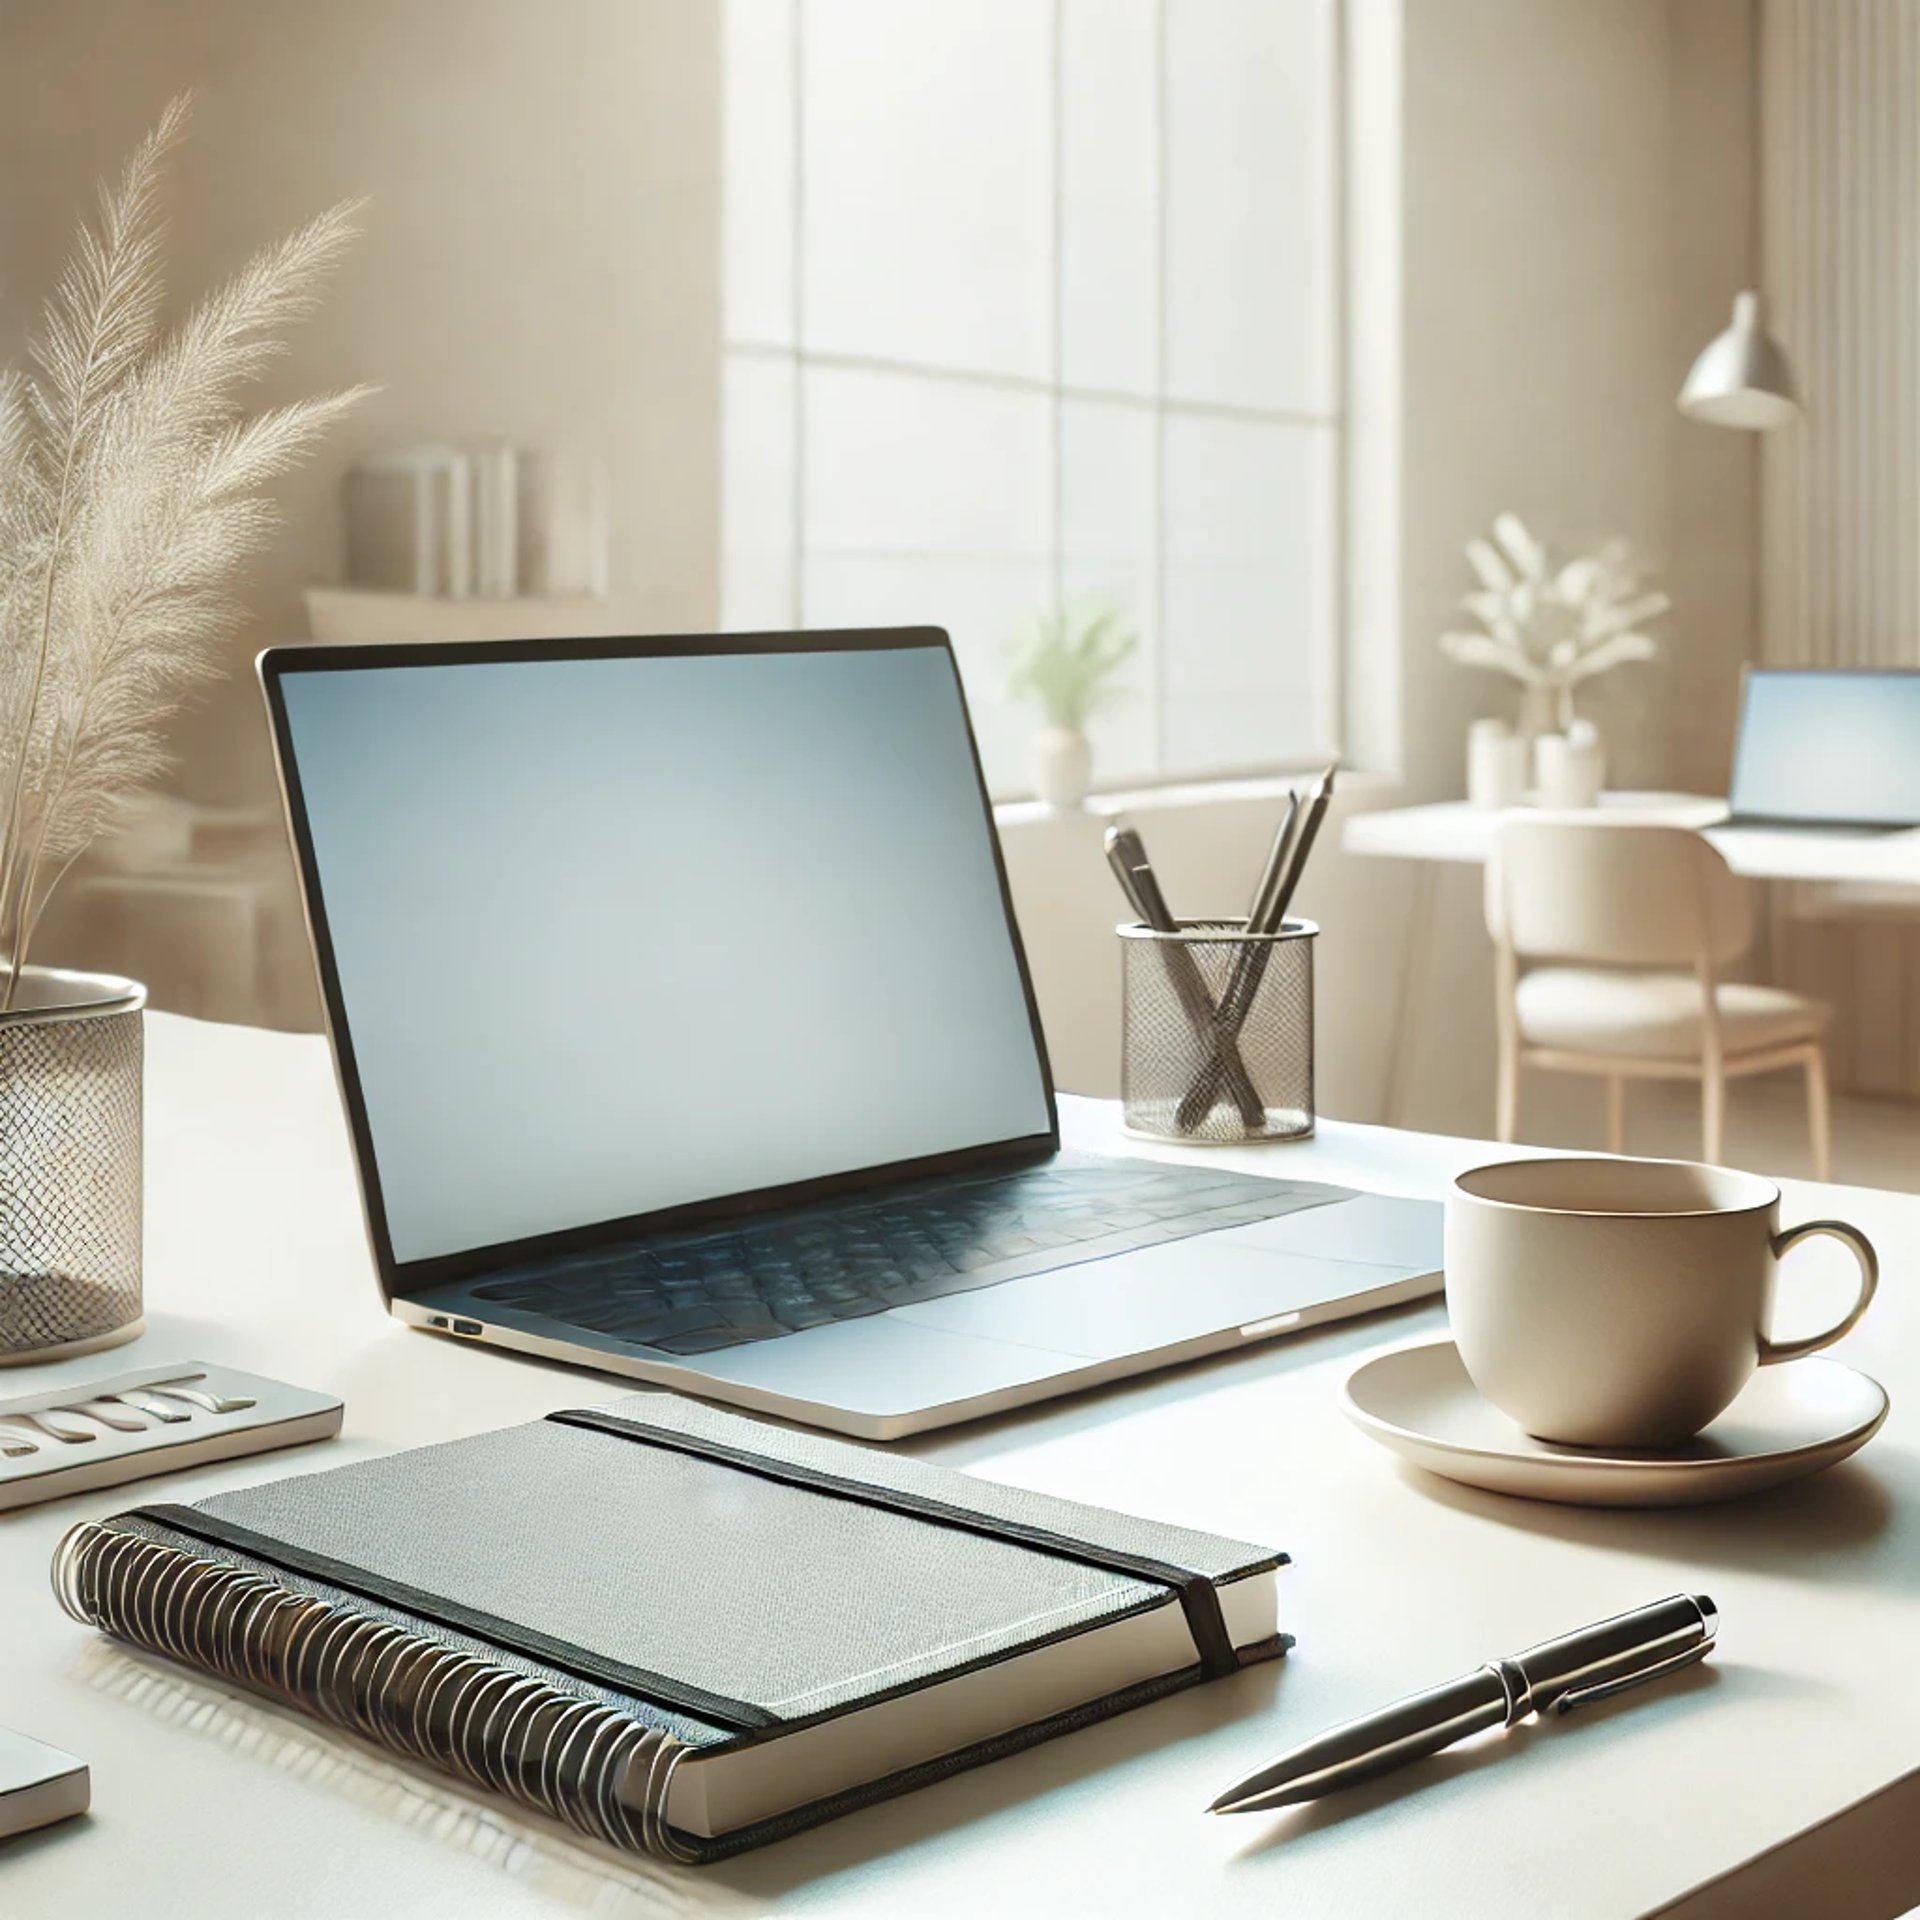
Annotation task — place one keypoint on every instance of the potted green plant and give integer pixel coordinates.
(1063, 662)
(131, 490)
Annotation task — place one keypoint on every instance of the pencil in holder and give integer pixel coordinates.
(1217, 1032)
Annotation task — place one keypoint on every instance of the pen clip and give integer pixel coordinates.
(1669, 1663)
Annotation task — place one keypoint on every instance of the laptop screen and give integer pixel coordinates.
(620, 932)
(1840, 747)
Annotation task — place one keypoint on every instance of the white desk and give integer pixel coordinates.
(1452, 833)
(218, 1809)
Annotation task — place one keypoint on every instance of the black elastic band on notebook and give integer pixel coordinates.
(714, 1708)
(1199, 1598)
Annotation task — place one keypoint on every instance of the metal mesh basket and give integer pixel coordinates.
(1217, 1031)
(70, 1150)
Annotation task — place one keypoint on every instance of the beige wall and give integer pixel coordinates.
(1714, 535)
(1577, 184)
(1841, 182)
(1569, 217)
(540, 258)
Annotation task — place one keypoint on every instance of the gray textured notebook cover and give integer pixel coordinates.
(562, 1609)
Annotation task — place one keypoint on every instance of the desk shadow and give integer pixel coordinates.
(543, 1855)
(932, 1812)
(1836, 1521)
(1534, 1743)
(15, 1847)
(528, 1851)
(165, 1338)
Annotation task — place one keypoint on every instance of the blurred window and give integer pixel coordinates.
(1036, 300)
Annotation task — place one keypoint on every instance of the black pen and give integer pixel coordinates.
(1127, 856)
(1249, 966)
(1273, 876)
(1286, 862)
(1303, 845)
(1589, 1664)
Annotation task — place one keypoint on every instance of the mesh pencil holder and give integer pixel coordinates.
(70, 1060)
(1217, 1032)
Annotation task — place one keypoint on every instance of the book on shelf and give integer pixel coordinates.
(496, 515)
(481, 520)
(409, 521)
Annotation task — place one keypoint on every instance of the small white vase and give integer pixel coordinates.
(1060, 762)
(1497, 765)
(1569, 770)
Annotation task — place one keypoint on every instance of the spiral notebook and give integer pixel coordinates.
(679, 1630)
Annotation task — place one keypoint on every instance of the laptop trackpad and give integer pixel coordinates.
(1155, 1297)
(1371, 1227)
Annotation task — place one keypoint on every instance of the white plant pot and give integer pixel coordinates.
(1060, 760)
(1499, 765)
(1569, 774)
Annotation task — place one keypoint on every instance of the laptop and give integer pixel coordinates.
(684, 1032)
(1828, 747)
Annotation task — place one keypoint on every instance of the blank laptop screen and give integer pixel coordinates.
(619, 934)
(1839, 747)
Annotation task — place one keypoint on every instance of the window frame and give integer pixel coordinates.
(1326, 665)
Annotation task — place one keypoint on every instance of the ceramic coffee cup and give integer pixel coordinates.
(1622, 1303)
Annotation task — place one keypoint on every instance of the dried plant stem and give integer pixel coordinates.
(30, 914)
(37, 908)
(16, 877)
(100, 320)
(12, 935)
(130, 492)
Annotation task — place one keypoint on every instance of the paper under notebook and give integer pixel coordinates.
(680, 1630)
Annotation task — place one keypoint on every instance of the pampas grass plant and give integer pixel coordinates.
(130, 495)
(1551, 622)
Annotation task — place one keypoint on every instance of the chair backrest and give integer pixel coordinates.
(1614, 892)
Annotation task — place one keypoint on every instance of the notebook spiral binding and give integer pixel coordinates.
(579, 1760)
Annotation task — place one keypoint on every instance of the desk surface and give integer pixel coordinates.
(214, 1807)
(1457, 832)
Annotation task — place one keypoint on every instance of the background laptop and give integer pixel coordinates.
(1827, 747)
(684, 1031)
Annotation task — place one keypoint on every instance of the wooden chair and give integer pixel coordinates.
(1610, 939)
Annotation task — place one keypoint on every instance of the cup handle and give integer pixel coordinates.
(1861, 1247)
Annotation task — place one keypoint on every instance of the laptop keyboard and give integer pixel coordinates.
(782, 1273)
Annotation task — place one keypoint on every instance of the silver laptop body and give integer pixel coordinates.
(684, 1032)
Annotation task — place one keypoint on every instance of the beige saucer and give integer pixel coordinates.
(1788, 1421)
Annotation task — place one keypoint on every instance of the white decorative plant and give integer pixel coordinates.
(130, 493)
(1064, 660)
(1551, 621)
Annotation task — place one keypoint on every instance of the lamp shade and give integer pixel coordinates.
(1741, 378)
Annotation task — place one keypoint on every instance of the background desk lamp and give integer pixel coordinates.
(1741, 378)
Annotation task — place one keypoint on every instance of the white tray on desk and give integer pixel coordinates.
(281, 1416)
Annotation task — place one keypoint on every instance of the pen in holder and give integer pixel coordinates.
(1217, 1031)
